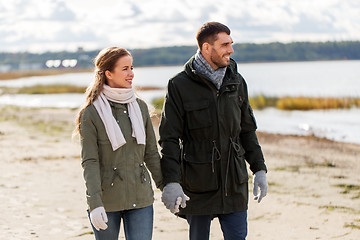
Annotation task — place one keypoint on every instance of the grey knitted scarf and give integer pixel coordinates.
(203, 67)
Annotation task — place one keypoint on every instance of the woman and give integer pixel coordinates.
(118, 146)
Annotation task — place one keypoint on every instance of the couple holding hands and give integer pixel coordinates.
(207, 132)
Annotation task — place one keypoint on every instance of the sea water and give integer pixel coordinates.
(312, 79)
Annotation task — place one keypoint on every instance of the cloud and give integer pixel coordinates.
(33, 10)
(144, 23)
(69, 35)
(62, 13)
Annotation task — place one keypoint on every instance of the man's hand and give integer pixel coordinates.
(99, 218)
(260, 181)
(173, 197)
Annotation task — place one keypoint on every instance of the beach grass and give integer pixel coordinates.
(41, 72)
(256, 102)
(261, 101)
(339, 208)
(306, 103)
(158, 103)
(51, 89)
(292, 103)
(352, 225)
(56, 88)
(348, 187)
(44, 89)
(24, 116)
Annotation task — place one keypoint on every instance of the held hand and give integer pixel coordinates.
(179, 202)
(260, 181)
(99, 218)
(173, 197)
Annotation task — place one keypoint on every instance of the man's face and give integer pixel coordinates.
(220, 51)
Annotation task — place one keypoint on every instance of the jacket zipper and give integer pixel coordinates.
(217, 96)
(216, 151)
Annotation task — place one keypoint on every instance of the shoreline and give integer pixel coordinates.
(310, 137)
(12, 75)
(10, 111)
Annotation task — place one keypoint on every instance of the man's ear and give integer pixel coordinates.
(205, 49)
(205, 46)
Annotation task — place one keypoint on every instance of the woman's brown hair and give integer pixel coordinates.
(104, 61)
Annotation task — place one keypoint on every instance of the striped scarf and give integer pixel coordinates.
(203, 67)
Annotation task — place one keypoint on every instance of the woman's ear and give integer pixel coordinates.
(108, 74)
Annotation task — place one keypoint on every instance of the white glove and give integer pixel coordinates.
(99, 218)
(260, 181)
(173, 197)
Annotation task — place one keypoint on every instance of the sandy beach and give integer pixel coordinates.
(314, 185)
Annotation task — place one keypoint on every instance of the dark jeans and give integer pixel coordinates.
(138, 224)
(233, 226)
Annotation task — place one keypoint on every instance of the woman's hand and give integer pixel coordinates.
(99, 218)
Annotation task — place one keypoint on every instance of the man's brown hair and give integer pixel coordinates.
(208, 31)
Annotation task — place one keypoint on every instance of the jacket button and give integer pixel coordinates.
(124, 111)
(115, 168)
(134, 205)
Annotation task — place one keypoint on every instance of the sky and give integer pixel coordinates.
(55, 25)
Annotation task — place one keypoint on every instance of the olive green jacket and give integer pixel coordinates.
(118, 180)
(216, 132)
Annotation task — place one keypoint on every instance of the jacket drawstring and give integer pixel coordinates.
(116, 174)
(236, 147)
(216, 151)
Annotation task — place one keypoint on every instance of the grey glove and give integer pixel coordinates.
(172, 196)
(260, 181)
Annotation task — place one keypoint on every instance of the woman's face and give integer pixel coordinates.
(122, 74)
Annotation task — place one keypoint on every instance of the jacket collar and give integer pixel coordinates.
(229, 78)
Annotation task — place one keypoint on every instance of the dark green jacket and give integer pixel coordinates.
(206, 135)
(118, 180)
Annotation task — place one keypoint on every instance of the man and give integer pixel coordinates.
(207, 131)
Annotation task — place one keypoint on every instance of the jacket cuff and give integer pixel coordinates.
(94, 202)
(258, 167)
(160, 186)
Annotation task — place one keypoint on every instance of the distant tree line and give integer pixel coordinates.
(297, 51)
(178, 55)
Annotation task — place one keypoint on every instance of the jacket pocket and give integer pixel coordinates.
(198, 176)
(144, 191)
(197, 114)
(241, 174)
(106, 180)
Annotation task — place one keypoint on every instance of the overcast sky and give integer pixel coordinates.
(43, 25)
